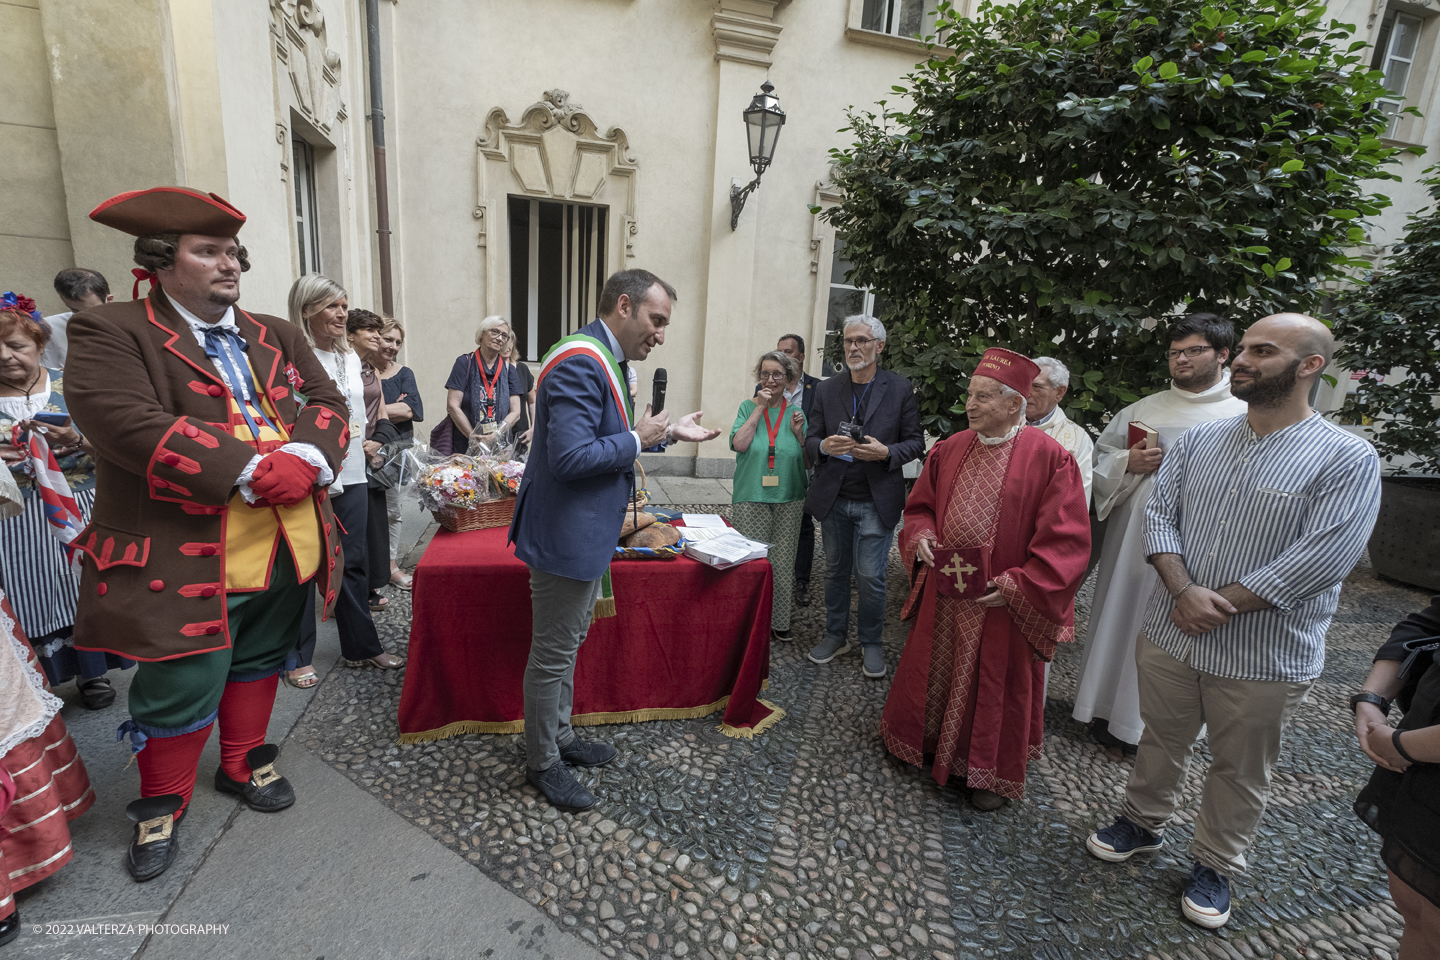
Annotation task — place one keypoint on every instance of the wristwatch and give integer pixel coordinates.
(1365, 696)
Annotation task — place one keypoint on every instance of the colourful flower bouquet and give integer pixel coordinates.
(507, 474)
(455, 483)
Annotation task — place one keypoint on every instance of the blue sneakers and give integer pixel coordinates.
(1122, 840)
(1207, 898)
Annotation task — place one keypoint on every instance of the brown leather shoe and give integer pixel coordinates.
(986, 801)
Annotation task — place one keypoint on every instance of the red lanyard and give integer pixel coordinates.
(490, 385)
(774, 431)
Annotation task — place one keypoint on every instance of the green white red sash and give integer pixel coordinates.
(580, 345)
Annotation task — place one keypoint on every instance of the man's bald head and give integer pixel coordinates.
(1303, 334)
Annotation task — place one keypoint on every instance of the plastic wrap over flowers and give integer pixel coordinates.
(454, 483)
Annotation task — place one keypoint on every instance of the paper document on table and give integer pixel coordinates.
(726, 551)
(703, 520)
(694, 534)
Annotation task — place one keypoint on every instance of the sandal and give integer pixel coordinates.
(302, 681)
(384, 661)
(378, 603)
(96, 693)
(399, 578)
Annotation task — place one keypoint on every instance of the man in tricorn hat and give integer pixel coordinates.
(210, 517)
(996, 539)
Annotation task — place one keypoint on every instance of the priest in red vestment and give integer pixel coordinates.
(996, 539)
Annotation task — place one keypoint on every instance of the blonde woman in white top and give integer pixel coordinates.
(319, 306)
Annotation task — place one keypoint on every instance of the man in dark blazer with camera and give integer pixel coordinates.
(863, 428)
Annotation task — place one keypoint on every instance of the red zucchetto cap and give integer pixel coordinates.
(1010, 368)
(145, 213)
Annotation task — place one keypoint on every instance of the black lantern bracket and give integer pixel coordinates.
(763, 120)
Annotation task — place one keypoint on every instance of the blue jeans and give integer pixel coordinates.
(855, 538)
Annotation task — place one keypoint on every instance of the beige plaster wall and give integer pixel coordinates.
(34, 228)
(663, 86)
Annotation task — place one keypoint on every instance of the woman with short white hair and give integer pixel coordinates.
(483, 390)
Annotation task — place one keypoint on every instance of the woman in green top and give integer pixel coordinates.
(769, 489)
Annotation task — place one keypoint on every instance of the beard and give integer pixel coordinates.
(1200, 378)
(1268, 391)
(223, 299)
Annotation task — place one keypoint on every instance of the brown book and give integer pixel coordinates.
(962, 572)
(1142, 431)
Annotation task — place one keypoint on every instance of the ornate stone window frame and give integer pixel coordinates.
(822, 254)
(555, 152)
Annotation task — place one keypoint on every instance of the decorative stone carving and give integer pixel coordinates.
(555, 152)
(745, 31)
(298, 27)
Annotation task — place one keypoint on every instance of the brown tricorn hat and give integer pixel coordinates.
(146, 213)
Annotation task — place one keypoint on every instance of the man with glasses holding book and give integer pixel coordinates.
(863, 429)
(1107, 695)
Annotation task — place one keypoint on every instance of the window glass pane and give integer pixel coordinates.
(916, 18)
(550, 292)
(520, 272)
(839, 266)
(872, 17)
(1403, 40)
(1397, 72)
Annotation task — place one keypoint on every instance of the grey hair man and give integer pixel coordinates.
(1043, 412)
(864, 427)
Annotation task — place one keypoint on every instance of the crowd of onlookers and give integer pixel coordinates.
(837, 452)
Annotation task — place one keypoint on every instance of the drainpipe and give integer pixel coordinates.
(377, 139)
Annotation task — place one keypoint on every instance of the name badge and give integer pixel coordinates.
(357, 429)
(769, 481)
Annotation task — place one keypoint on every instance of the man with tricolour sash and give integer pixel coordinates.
(571, 506)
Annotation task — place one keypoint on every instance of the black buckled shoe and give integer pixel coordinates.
(156, 840)
(265, 791)
(9, 928)
(97, 693)
(562, 790)
(582, 753)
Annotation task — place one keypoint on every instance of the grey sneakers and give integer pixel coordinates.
(828, 649)
(832, 647)
(874, 662)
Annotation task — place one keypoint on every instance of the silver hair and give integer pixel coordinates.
(1008, 391)
(309, 295)
(789, 364)
(1056, 372)
(488, 324)
(876, 328)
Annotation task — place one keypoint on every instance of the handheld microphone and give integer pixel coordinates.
(657, 395)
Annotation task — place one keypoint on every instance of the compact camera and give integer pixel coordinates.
(852, 430)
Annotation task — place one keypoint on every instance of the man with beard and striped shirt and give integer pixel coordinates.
(1253, 523)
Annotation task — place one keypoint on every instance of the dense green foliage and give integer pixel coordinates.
(1394, 321)
(1081, 169)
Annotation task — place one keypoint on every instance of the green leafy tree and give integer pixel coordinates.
(1083, 169)
(1394, 321)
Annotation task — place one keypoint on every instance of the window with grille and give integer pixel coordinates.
(1395, 48)
(846, 300)
(307, 219)
(900, 18)
(557, 270)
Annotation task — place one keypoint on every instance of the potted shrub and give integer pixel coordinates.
(1389, 330)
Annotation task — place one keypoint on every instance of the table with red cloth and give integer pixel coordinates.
(686, 640)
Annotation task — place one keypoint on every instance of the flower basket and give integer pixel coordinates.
(491, 513)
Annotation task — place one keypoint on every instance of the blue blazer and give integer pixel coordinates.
(579, 475)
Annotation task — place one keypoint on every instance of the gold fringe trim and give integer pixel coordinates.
(750, 733)
(604, 607)
(462, 727)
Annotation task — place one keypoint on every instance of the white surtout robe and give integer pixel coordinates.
(1107, 687)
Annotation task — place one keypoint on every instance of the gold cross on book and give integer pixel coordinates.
(959, 572)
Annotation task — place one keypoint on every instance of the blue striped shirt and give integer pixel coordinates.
(1285, 515)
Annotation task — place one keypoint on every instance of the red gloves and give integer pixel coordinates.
(283, 479)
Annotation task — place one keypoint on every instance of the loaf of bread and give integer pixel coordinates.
(655, 535)
(635, 522)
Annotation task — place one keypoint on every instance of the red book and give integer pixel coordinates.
(1142, 431)
(962, 571)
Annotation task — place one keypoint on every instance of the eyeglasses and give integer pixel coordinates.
(1191, 352)
(859, 341)
(773, 376)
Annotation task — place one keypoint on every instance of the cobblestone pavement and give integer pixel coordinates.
(811, 841)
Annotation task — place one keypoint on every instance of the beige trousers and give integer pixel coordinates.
(1246, 719)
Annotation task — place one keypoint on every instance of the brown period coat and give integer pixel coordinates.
(145, 396)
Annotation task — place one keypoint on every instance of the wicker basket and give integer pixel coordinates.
(642, 496)
(491, 513)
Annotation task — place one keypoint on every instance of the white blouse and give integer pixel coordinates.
(344, 369)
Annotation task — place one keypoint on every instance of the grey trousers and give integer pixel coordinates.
(561, 610)
(1246, 721)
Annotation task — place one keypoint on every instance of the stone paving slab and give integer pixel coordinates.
(811, 841)
(696, 491)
